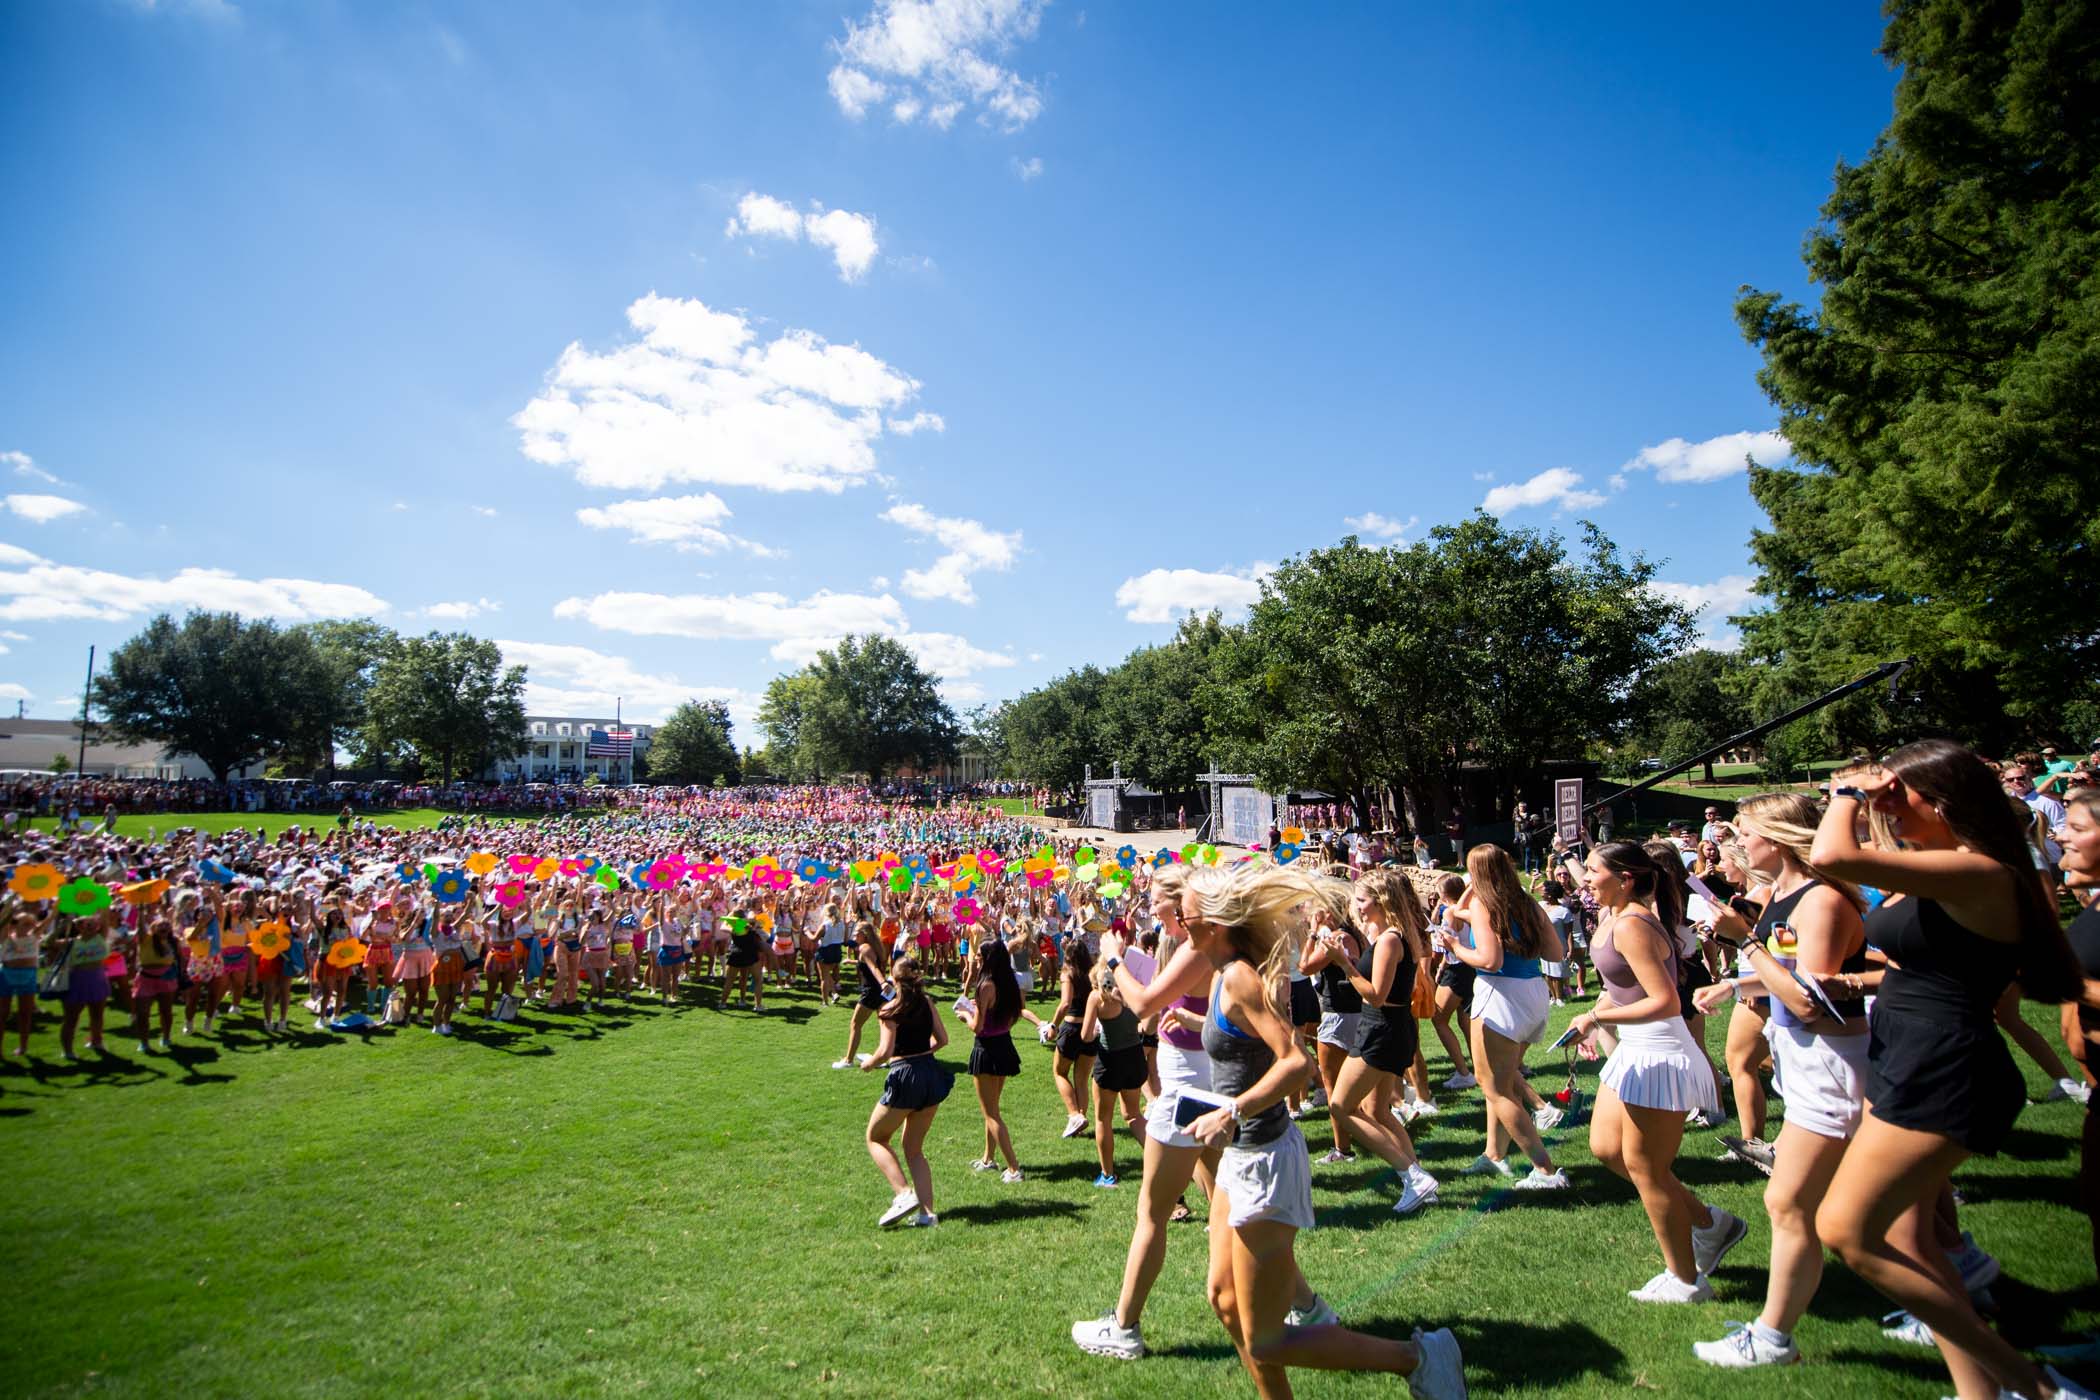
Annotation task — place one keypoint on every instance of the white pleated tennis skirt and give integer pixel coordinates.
(1658, 1065)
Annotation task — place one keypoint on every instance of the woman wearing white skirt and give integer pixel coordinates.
(1656, 1075)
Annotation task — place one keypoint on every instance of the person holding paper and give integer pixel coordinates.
(1809, 935)
(993, 1059)
(1657, 1074)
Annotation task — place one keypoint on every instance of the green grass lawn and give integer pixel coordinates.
(1016, 806)
(416, 818)
(679, 1203)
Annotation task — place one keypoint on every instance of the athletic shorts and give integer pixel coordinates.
(1269, 1182)
(1338, 1028)
(1178, 1069)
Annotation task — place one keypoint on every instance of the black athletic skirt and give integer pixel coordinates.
(1459, 978)
(1072, 1047)
(1117, 1070)
(916, 1083)
(995, 1054)
(1305, 1002)
(1939, 1077)
(1387, 1045)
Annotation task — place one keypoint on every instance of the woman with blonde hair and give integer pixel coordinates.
(1244, 923)
(1383, 904)
(1811, 926)
(1510, 936)
(1964, 917)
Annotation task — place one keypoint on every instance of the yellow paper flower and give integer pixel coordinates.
(271, 940)
(346, 952)
(481, 863)
(37, 882)
(144, 892)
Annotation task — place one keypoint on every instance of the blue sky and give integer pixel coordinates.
(665, 343)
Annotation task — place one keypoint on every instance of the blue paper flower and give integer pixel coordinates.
(812, 870)
(1285, 852)
(214, 872)
(450, 887)
(1127, 857)
(1162, 858)
(408, 873)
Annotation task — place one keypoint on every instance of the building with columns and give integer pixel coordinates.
(561, 749)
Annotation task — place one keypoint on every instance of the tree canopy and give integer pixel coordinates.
(226, 690)
(864, 706)
(448, 699)
(1942, 401)
(693, 745)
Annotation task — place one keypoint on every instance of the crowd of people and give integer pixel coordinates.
(1875, 941)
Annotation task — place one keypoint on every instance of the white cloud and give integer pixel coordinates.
(919, 422)
(567, 680)
(697, 400)
(689, 522)
(460, 612)
(11, 691)
(849, 236)
(946, 654)
(962, 692)
(761, 617)
(1157, 595)
(933, 55)
(1715, 602)
(24, 465)
(44, 591)
(15, 554)
(972, 548)
(1385, 527)
(42, 510)
(1556, 487)
(489, 511)
(1028, 169)
(1712, 460)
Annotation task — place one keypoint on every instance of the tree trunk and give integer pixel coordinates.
(1709, 771)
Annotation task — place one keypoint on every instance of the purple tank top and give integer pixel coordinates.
(1198, 1002)
(1620, 985)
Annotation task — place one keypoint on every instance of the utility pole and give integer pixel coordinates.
(85, 691)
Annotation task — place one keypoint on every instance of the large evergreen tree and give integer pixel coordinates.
(1943, 401)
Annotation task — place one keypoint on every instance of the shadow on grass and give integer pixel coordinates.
(1506, 1354)
(997, 1212)
(1981, 1188)
(2023, 1145)
(1916, 1363)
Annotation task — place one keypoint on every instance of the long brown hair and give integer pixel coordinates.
(1516, 916)
(1647, 879)
(910, 1001)
(1970, 798)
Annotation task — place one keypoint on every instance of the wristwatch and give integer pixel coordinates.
(1112, 963)
(1852, 792)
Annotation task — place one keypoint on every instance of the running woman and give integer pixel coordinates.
(1382, 974)
(912, 1093)
(1075, 1053)
(1119, 1070)
(872, 962)
(993, 1059)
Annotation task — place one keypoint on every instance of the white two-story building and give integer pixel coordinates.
(568, 748)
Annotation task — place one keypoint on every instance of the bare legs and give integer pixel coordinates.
(989, 1086)
(1746, 1053)
(1640, 1145)
(1503, 1087)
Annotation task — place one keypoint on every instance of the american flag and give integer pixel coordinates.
(610, 743)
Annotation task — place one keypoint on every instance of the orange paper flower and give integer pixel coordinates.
(37, 882)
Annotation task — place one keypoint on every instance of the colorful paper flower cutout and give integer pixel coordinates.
(811, 871)
(37, 883)
(272, 939)
(1127, 857)
(450, 886)
(345, 952)
(144, 892)
(1286, 852)
(608, 877)
(1295, 835)
(771, 877)
(213, 871)
(80, 898)
(900, 880)
(482, 862)
(1162, 858)
(523, 865)
(408, 873)
(967, 912)
(510, 894)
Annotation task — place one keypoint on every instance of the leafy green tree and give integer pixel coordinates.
(1689, 703)
(1151, 718)
(1941, 400)
(214, 686)
(60, 764)
(864, 706)
(336, 663)
(782, 714)
(448, 699)
(1053, 732)
(692, 745)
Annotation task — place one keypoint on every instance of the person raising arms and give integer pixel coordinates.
(1964, 917)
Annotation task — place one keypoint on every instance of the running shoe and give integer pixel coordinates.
(1012, 1175)
(1296, 1114)
(1541, 1180)
(1900, 1326)
(1484, 1165)
(1320, 1314)
(1418, 1191)
(1105, 1182)
(1756, 1151)
(1075, 1124)
(142, 1048)
(842, 1064)
(2075, 1089)
(1335, 1154)
(1441, 1372)
(902, 1204)
(1546, 1117)
(1108, 1337)
(984, 1166)
(1711, 1245)
(923, 1220)
(1666, 1287)
(1743, 1348)
(1460, 1081)
(1700, 1118)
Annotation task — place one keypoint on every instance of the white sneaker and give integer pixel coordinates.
(1075, 1124)
(923, 1220)
(1742, 1348)
(1107, 1337)
(1541, 1180)
(902, 1204)
(1295, 1113)
(842, 1064)
(1711, 1245)
(1460, 1081)
(984, 1166)
(1012, 1175)
(1666, 1287)
(1420, 1108)
(1335, 1155)
(1419, 1191)
(1901, 1326)
(1441, 1373)
(1484, 1165)
(1547, 1116)
(2068, 1088)
(142, 1048)
(1320, 1314)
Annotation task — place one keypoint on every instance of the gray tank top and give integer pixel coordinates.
(1119, 1032)
(1237, 1061)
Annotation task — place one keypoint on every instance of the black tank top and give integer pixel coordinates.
(1943, 971)
(1403, 976)
(1780, 911)
(1337, 996)
(870, 979)
(914, 1030)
